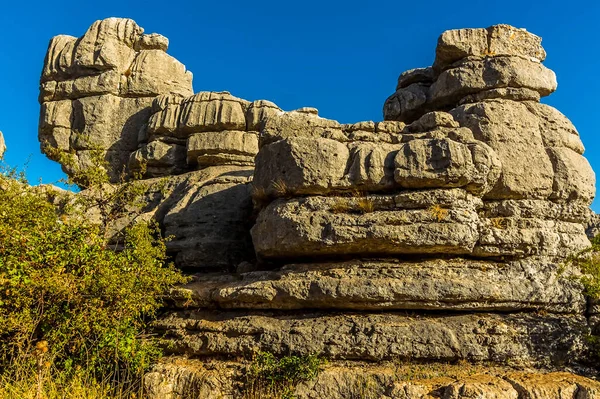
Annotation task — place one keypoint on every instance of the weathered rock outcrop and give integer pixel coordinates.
(2, 145)
(388, 380)
(96, 91)
(116, 90)
(437, 235)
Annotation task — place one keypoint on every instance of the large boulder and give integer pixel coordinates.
(96, 91)
(472, 64)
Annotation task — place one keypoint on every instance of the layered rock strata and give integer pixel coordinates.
(437, 235)
(115, 91)
(214, 380)
(96, 90)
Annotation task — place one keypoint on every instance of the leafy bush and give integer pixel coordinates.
(588, 261)
(270, 377)
(70, 303)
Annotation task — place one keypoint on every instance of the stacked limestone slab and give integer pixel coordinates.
(436, 235)
(96, 90)
(116, 90)
(460, 208)
(214, 380)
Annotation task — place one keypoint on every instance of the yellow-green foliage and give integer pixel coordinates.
(498, 223)
(439, 213)
(63, 288)
(588, 262)
(77, 386)
(275, 378)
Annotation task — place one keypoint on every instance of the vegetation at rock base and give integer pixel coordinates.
(588, 261)
(270, 377)
(74, 298)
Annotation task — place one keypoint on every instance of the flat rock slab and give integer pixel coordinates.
(179, 378)
(434, 284)
(525, 338)
(426, 222)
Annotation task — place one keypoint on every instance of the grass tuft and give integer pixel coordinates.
(439, 213)
(281, 188)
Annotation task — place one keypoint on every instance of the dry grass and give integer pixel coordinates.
(358, 203)
(264, 390)
(280, 188)
(366, 205)
(498, 223)
(431, 371)
(260, 197)
(439, 213)
(363, 387)
(71, 388)
(340, 205)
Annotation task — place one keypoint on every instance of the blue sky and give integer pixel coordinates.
(342, 57)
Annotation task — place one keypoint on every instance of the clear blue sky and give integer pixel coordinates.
(342, 57)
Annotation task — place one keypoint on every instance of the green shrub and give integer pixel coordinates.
(69, 302)
(271, 377)
(588, 261)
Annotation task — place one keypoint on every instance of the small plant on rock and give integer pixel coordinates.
(498, 223)
(588, 262)
(270, 377)
(340, 205)
(366, 205)
(439, 213)
(259, 195)
(280, 188)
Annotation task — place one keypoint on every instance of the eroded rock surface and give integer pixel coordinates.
(179, 378)
(96, 91)
(437, 235)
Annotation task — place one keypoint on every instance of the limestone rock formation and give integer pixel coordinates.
(116, 90)
(2, 145)
(96, 91)
(436, 235)
(387, 381)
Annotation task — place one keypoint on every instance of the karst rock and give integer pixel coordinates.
(436, 235)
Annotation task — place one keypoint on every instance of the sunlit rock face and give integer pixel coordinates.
(438, 234)
(2, 145)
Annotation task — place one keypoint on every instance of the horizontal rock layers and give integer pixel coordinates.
(437, 235)
(96, 91)
(390, 380)
(434, 284)
(524, 339)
